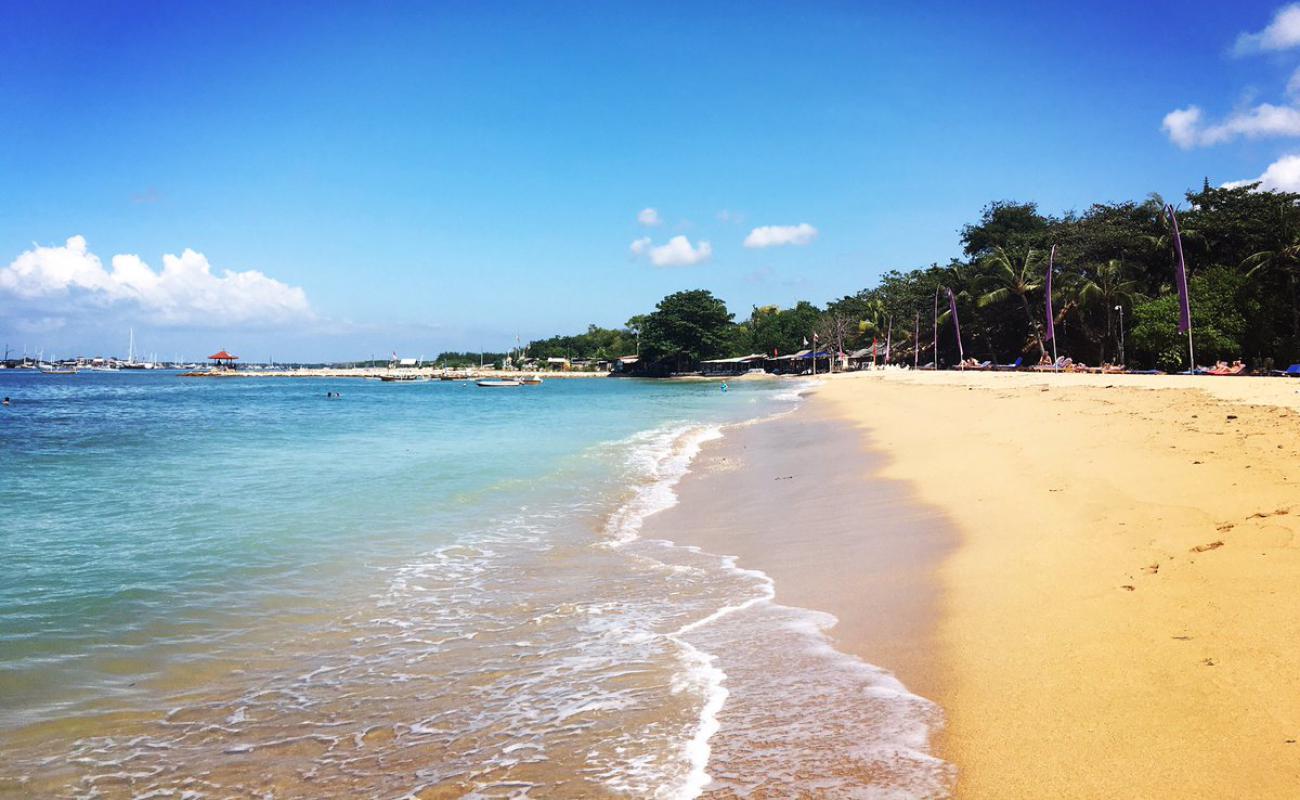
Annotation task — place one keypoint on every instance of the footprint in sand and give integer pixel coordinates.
(1205, 548)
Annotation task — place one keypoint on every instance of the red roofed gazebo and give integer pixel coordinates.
(223, 360)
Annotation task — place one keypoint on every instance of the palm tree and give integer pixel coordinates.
(1109, 286)
(1284, 258)
(1013, 276)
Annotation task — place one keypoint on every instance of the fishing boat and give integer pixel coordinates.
(531, 380)
(393, 378)
(58, 369)
(498, 383)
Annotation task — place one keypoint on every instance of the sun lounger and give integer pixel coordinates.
(1009, 367)
(1292, 371)
(1145, 372)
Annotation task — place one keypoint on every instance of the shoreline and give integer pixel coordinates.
(1081, 570)
(789, 497)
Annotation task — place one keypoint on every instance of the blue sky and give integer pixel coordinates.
(423, 177)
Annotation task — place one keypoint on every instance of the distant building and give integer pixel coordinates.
(559, 364)
(733, 366)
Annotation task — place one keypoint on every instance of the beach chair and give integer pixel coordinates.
(1014, 365)
(1292, 371)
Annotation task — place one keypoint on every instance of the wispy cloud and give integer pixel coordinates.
(70, 280)
(1283, 33)
(649, 218)
(1186, 127)
(731, 217)
(148, 197)
(677, 252)
(1282, 175)
(779, 235)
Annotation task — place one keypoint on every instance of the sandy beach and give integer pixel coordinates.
(1094, 576)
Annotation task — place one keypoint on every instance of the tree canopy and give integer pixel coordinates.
(1113, 281)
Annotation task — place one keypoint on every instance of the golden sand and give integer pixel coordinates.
(1120, 616)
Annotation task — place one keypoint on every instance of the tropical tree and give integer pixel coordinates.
(1108, 285)
(684, 328)
(1012, 275)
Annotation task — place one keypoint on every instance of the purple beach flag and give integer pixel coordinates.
(956, 324)
(1051, 321)
(1184, 303)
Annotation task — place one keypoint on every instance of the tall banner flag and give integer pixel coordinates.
(916, 343)
(1184, 301)
(936, 327)
(1051, 317)
(889, 338)
(956, 324)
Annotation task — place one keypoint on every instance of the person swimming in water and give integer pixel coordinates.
(724, 386)
(6, 401)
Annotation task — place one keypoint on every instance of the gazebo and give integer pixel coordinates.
(223, 360)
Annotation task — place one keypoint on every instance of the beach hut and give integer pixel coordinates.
(733, 366)
(223, 360)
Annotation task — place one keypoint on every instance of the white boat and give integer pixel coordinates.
(498, 383)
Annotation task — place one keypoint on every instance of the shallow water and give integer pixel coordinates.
(241, 588)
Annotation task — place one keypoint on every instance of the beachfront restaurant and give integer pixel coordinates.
(800, 362)
(733, 366)
(861, 359)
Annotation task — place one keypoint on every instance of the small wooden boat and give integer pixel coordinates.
(531, 380)
(498, 383)
(393, 378)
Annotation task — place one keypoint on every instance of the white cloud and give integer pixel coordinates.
(1186, 130)
(678, 252)
(649, 217)
(1282, 175)
(778, 235)
(69, 278)
(1181, 126)
(1283, 33)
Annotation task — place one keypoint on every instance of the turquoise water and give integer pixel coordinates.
(142, 501)
(241, 588)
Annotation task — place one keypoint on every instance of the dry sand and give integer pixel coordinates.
(1097, 577)
(1121, 614)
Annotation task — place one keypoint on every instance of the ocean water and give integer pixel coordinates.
(242, 588)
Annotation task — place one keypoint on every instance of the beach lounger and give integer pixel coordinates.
(1292, 371)
(1008, 367)
(1145, 372)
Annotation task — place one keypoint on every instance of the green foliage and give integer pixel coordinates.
(1218, 322)
(775, 330)
(683, 329)
(1005, 224)
(452, 360)
(600, 344)
(1242, 249)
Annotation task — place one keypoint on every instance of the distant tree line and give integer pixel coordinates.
(1113, 283)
